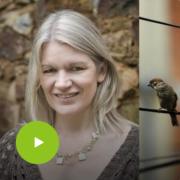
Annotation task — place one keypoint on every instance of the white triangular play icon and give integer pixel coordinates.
(37, 142)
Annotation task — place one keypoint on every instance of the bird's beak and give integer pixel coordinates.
(149, 85)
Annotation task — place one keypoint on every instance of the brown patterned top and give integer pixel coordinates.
(123, 166)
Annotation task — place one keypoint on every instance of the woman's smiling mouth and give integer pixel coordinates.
(66, 96)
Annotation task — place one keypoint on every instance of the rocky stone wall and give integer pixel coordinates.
(19, 19)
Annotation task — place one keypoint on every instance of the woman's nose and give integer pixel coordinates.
(63, 81)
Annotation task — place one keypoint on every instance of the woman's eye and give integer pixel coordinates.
(49, 71)
(77, 68)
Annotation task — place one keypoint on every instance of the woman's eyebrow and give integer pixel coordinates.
(81, 63)
(78, 63)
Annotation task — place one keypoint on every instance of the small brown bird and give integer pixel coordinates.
(167, 97)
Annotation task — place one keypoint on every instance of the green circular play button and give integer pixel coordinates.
(37, 142)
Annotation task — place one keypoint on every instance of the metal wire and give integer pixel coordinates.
(160, 165)
(158, 22)
(159, 111)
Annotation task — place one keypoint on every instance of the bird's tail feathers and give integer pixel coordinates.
(174, 120)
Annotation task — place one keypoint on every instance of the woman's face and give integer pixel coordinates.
(68, 78)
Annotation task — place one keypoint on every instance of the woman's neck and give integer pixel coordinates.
(74, 124)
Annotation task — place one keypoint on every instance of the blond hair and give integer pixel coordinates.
(80, 33)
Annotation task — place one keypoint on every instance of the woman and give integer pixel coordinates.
(73, 84)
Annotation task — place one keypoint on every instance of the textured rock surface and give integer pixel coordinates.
(12, 44)
(4, 3)
(117, 20)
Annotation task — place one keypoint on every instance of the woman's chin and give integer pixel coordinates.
(68, 111)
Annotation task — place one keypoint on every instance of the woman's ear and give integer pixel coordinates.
(102, 71)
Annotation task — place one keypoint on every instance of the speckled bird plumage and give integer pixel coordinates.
(167, 97)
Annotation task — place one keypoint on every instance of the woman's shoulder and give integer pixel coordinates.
(125, 162)
(132, 139)
(134, 132)
(130, 130)
(8, 151)
(128, 153)
(127, 140)
(9, 137)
